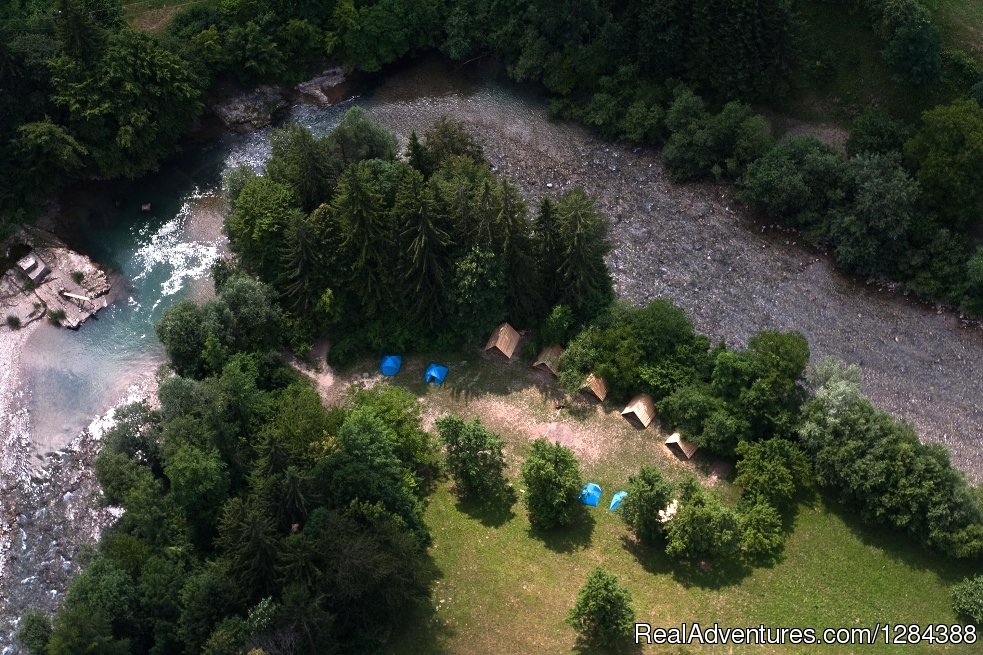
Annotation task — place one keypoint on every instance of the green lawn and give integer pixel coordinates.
(156, 15)
(503, 588)
(860, 79)
(961, 22)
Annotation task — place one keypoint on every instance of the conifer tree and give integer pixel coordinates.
(585, 283)
(366, 238)
(547, 241)
(511, 230)
(426, 245)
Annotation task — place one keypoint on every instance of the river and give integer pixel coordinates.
(687, 242)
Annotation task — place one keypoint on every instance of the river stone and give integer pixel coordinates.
(251, 110)
(324, 89)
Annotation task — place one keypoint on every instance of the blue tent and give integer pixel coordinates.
(435, 373)
(590, 495)
(390, 365)
(616, 501)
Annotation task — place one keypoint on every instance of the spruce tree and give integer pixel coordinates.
(426, 246)
(366, 238)
(585, 283)
(511, 235)
(547, 242)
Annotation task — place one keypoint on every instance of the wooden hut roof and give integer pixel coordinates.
(504, 339)
(680, 447)
(641, 409)
(596, 386)
(549, 359)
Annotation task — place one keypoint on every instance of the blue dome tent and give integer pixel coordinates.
(590, 495)
(390, 365)
(616, 501)
(435, 373)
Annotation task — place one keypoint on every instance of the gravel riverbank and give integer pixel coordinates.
(693, 244)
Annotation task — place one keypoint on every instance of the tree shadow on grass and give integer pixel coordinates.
(419, 629)
(628, 647)
(567, 539)
(492, 513)
(705, 574)
(901, 546)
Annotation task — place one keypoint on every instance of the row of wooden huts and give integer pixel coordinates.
(504, 340)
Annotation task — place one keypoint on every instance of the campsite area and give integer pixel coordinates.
(503, 587)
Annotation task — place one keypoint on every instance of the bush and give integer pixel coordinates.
(648, 494)
(475, 459)
(13, 322)
(762, 537)
(799, 181)
(701, 527)
(967, 599)
(878, 465)
(35, 632)
(772, 472)
(702, 144)
(78, 276)
(552, 478)
(56, 316)
(603, 614)
(874, 131)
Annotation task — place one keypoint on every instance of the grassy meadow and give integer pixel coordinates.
(502, 587)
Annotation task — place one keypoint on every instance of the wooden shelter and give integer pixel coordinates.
(640, 411)
(549, 359)
(595, 386)
(503, 340)
(681, 448)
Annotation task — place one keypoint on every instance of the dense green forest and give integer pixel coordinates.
(254, 516)
(386, 254)
(84, 96)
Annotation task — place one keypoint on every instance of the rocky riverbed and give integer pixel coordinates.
(696, 245)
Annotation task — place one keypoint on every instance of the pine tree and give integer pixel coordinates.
(427, 245)
(485, 213)
(585, 282)
(300, 280)
(302, 162)
(417, 155)
(366, 239)
(547, 242)
(511, 230)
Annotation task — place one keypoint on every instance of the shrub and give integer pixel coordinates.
(78, 276)
(35, 632)
(648, 494)
(760, 527)
(772, 472)
(552, 478)
(13, 322)
(967, 599)
(603, 614)
(475, 459)
(702, 144)
(56, 316)
(701, 527)
(798, 180)
(874, 131)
